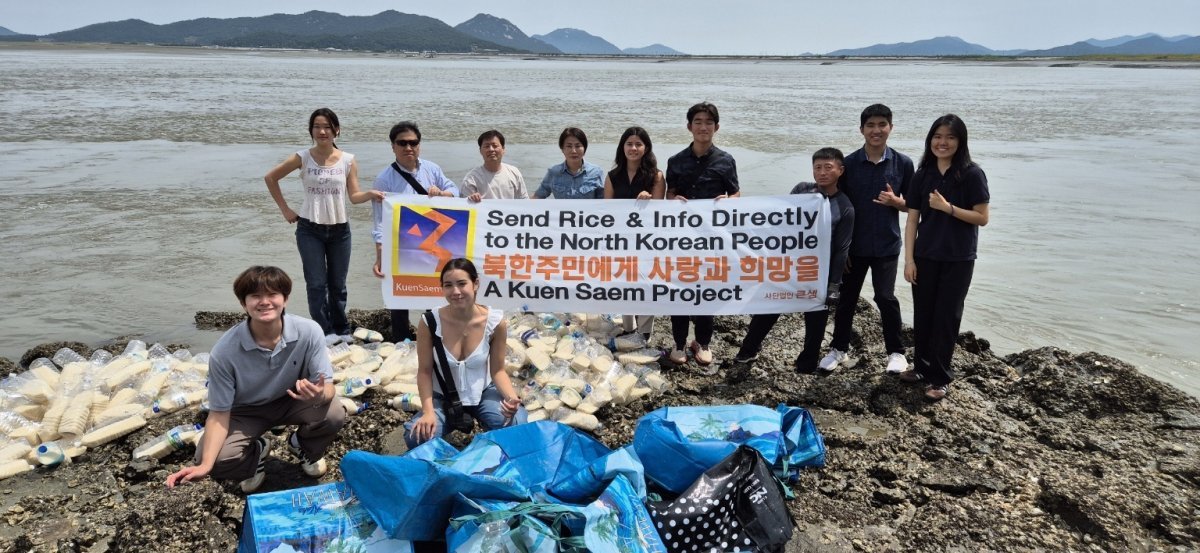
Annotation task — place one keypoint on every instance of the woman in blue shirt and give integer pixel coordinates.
(574, 178)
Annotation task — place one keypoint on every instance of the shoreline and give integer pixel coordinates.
(1038, 450)
(1119, 62)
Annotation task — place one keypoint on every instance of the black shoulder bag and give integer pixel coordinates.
(457, 418)
(412, 181)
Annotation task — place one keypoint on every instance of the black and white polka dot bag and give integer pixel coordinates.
(737, 505)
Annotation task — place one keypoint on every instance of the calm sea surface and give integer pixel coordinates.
(132, 192)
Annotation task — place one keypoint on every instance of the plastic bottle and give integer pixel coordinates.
(409, 403)
(51, 454)
(352, 407)
(173, 440)
(353, 387)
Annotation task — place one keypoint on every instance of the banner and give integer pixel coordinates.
(764, 254)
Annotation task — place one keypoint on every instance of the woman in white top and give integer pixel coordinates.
(329, 175)
(474, 339)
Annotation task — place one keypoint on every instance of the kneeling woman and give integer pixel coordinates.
(474, 339)
(947, 203)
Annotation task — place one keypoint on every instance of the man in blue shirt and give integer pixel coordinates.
(408, 175)
(877, 177)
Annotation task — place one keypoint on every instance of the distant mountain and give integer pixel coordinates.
(501, 31)
(1109, 42)
(655, 49)
(1150, 45)
(6, 32)
(940, 46)
(575, 41)
(388, 30)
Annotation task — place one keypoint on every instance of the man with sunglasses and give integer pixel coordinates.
(409, 174)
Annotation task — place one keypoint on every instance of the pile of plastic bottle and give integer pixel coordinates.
(566, 367)
(61, 406)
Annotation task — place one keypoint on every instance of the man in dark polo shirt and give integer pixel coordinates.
(877, 177)
(271, 369)
(701, 171)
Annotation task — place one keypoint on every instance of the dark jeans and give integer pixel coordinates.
(883, 279)
(679, 329)
(938, 298)
(814, 334)
(401, 330)
(325, 254)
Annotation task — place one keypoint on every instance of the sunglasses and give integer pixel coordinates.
(408, 143)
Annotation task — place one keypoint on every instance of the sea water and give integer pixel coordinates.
(133, 191)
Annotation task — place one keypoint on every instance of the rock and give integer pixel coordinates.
(889, 496)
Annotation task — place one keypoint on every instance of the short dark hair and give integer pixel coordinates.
(875, 110)
(488, 135)
(460, 264)
(261, 278)
(403, 126)
(829, 153)
(704, 107)
(575, 132)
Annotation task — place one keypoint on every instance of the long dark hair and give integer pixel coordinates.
(330, 116)
(649, 164)
(962, 157)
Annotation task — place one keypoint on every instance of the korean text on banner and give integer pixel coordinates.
(701, 257)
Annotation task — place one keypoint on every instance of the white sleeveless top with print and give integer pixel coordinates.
(324, 189)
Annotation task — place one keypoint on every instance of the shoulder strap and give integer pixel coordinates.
(411, 181)
(445, 379)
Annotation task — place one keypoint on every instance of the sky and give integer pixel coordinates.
(738, 27)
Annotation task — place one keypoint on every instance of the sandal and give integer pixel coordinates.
(937, 393)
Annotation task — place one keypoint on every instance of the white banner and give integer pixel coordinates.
(763, 254)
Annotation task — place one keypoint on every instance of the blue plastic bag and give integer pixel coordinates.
(411, 497)
(804, 444)
(690, 440)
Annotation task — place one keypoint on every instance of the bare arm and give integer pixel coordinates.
(357, 195)
(910, 242)
(658, 190)
(424, 427)
(272, 179)
(216, 429)
(608, 188)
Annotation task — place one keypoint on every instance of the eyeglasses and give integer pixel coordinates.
(407, 143)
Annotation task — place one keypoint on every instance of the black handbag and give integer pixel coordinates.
(457, 417)
(736, 504)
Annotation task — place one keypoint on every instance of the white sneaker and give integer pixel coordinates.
(315, 469)
(832, 360)
(896, 363)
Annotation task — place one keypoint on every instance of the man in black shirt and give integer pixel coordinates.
(701, 171)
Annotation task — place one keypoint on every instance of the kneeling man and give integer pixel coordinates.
(271, 369)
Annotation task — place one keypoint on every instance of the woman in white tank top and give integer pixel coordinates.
(474, 338)
(329, 175)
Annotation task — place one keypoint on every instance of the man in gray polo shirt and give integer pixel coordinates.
(271, 369)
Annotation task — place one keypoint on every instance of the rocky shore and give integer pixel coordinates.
(1039, 450)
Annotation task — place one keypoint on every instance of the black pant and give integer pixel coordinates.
(400, 327)
(679, 329)
(814, 333)
(938, 298)
(883, 280)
